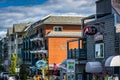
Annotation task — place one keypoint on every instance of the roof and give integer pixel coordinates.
(64, 34)
(76, 20)
(116, 5)
(10, 31)
(19, 27)
(62, 20)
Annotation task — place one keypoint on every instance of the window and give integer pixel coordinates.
(99, 50)
(57, 28)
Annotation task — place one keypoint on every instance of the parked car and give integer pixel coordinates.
(11, 77)
(2, 74)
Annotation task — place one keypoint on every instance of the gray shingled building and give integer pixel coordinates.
(106, 42)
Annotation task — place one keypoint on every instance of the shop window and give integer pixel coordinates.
(99, 50)
(57, 28)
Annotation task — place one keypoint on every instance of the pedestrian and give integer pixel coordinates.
(57, 78)
(41, 78)
(110, 77)
(115, 77)
(35, 77)
(38, 77)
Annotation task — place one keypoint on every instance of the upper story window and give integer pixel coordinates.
(99, 50)
(57, 28)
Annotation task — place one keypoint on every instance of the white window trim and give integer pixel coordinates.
(99, 50)
(57, 27)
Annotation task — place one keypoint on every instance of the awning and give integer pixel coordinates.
(113, 61)
(93, 67)
(63, 65)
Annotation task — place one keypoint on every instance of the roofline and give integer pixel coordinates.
(63, 36)
(46, 17)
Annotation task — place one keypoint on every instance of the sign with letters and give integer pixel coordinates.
(90, 30)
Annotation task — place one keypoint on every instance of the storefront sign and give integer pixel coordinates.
(90, 30)
(98, 37)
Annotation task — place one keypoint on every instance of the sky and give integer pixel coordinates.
(24, 11)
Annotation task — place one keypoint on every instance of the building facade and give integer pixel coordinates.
(103, 44)
(15, 35)
(47, 39)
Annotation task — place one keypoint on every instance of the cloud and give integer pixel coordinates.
(22, 14)
(2, 34)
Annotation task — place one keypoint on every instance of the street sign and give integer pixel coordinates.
(90, 30)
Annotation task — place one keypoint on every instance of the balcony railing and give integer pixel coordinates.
(37, 37)
(78, 54)
(19, 40)
(38, 51)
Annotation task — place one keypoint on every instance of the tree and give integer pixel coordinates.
(13, 65)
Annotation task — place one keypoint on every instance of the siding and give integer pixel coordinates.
(109, 40)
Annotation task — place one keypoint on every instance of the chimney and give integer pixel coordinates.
(103, 7)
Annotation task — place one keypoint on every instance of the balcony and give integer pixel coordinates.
(77, 54)
(19, 40)
(38, 51)
(37, 37)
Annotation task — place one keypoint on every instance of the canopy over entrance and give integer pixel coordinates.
(93, 67)
(113, 61)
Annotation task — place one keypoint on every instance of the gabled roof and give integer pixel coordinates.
(10, 31)
(19, 27)
(62, 20)
(64, 34)
(75, 20)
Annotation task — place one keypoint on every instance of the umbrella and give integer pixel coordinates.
(113, 61)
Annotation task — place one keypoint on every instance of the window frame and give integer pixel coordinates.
(57, 27)
(99, 51)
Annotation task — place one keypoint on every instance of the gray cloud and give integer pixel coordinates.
(22, 14)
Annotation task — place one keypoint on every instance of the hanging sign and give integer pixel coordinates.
(40, 64)
(90, 30)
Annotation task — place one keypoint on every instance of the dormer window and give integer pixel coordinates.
(57, 28)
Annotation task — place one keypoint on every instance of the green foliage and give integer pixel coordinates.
(1, 68)
(23, 72)
(13, 65)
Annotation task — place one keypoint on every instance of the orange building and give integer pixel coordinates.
(61, 29)
(49, 37)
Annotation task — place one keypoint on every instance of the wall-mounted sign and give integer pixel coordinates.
(40, 64)
(90, 30)
(98, 37)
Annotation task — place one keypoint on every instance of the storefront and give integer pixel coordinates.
(94, 70)
(113, 62)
